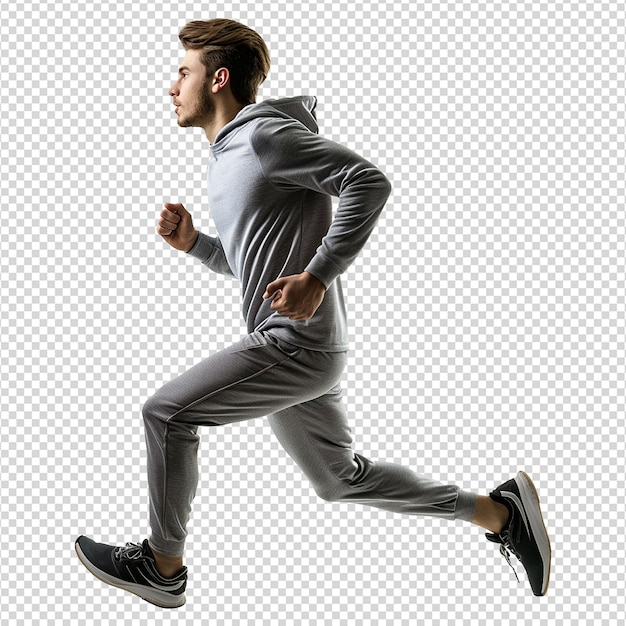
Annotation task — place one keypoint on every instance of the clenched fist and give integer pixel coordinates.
(297, 296)
(176, 227)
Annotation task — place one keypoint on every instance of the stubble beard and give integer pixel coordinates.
(201, 113)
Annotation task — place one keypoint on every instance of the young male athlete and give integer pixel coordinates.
(271, 177)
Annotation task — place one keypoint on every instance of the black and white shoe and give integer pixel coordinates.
(524, 535)
(132, 568)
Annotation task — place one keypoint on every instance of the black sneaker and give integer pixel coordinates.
(132, 568)
(525, 533)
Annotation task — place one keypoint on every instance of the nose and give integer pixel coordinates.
(173, 89)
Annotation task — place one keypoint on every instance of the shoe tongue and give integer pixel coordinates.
(493, 537)
(147, 550)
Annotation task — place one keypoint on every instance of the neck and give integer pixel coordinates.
(223, 115)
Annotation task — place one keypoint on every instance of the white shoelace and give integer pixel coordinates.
(505, 551)
(129, 551)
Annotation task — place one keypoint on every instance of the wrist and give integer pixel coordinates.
(193, 240)
(314, 280)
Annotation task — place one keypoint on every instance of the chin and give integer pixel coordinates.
(186, 122)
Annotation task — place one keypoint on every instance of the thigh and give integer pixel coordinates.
(256, 376)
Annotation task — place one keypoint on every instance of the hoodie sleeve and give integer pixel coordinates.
(210, 252)
(291, 156)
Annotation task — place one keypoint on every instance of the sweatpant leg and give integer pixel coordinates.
(255, 377)
(317, 436)
(299, 390)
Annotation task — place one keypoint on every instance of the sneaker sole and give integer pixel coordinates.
(154, 596)
(530, 499)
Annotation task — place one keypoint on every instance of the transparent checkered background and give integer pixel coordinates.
(487, 310)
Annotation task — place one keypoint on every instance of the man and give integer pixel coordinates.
(271, 177)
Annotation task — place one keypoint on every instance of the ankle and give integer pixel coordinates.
(502, 517)
(490, 515)
(167, 566)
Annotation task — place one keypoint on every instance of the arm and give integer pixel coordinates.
(210, 252)
(293, 157)
(176, 227)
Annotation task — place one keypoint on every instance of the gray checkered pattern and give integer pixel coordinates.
(487, 309)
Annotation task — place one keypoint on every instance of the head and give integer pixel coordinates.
(224, 60)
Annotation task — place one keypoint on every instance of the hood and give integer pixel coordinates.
(301, 108)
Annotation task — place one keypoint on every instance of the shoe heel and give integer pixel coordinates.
(539, 529)
(531, 485)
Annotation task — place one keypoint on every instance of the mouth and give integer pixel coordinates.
(176, 110)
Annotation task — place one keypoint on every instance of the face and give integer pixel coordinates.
(192, 93)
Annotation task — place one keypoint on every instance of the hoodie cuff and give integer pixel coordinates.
(323, 269)
(203, 248)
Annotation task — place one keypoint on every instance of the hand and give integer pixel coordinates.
(297, 296)
(176, 227)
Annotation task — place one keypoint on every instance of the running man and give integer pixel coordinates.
(271, 178)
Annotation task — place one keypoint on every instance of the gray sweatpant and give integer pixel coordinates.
(298, 389)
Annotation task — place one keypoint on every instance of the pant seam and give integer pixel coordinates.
(163, 524)
(216, 391)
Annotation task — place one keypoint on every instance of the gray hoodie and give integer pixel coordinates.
(271, 177)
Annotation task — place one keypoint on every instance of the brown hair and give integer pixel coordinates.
(226, 43)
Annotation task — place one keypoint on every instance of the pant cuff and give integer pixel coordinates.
(166, 548)
(465, 506)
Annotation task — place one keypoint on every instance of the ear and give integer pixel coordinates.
(221, 78)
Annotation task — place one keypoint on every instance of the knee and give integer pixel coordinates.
(344, 481)
(153, 408)
(328, 491)
(332, 488)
